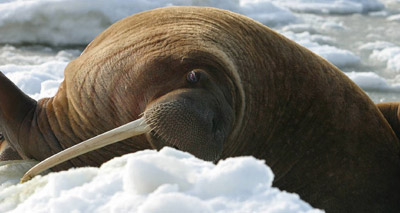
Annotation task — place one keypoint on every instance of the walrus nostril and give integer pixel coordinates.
(187, 124)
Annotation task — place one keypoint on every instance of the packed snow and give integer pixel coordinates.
(151, 181)
(39, 38)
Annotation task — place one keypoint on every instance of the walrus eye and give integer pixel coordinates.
(193, 77)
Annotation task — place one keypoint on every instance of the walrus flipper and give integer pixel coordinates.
(391, 111)
(6, 151)
(14, 108)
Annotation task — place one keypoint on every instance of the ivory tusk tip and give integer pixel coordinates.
(25, 178)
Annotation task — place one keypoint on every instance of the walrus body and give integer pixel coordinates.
(218, 85)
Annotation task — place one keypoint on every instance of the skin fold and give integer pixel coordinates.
(391, 111)
(217, 84)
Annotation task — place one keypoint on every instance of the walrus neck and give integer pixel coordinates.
(45, 130)
(63, 121)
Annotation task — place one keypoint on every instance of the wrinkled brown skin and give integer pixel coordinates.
(259, 94)
(391, 111)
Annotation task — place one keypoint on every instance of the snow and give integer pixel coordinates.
(12, 171)
(389, 55)
(372, 81)
(62, 22)
(266, 12)
(377, 45)
(332, 6)
(320, 45)
(37, 75)
(151, 181)
(394, 18)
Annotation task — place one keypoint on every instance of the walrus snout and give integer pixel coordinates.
(190, 120)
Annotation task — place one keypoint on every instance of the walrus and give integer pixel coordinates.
(6, 151)
(391, 111)
(217, 84)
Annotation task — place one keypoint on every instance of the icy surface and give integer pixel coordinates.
(37, 74)
(321, 45)
(151, 181)
(63, 22)
(372, 81)
(332, 6)
(388, 55)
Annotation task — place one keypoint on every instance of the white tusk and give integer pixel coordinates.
(120, 133)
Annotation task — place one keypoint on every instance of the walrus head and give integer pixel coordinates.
(196, 117)
(185, 85)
